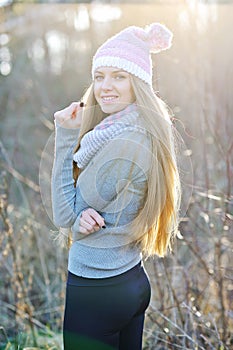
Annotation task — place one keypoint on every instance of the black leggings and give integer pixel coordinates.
(107, 313)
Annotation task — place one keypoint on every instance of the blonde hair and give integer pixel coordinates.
(157, 221)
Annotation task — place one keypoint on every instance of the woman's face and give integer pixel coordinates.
(113, 89)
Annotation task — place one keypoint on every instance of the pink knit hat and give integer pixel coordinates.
(130, 50)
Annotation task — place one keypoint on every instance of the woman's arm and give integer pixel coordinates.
(63, 191)
(65, 210)
(67, 123)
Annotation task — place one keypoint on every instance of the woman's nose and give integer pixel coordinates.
(107, 83)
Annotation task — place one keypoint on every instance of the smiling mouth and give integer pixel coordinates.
(109, 99)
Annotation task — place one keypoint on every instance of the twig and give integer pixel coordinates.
(22, 178)
(177, 327)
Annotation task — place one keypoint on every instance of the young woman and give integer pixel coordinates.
(115, 186)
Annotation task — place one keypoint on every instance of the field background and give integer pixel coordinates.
(45, 61)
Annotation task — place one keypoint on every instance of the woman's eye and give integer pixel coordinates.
(98, 77)
(119, 77)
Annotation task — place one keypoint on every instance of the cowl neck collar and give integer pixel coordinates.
(109, 128)
(118, 116)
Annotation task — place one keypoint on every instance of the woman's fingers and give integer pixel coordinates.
(90, 221)
(65, 113)
(71, 116)
(85, 231)
(86, 225)
(88, 218)
(96, 228)
(96, 216)
(93, 217)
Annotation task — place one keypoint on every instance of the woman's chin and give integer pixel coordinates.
(113, 107)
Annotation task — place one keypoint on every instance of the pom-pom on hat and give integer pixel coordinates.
(130, 50)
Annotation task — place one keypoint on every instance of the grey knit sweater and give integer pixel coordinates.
(114, 183)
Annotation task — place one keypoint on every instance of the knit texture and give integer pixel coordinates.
(130, 50)
(114, 183)
(109, 128)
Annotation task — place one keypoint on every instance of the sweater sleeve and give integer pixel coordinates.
(63, 191)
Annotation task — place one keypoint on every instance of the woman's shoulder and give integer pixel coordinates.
(134, 134)
(132, 145)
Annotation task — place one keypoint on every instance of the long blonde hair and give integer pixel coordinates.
(157, 221)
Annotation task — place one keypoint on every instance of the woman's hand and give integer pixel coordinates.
(90, 221)
(71, 116)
